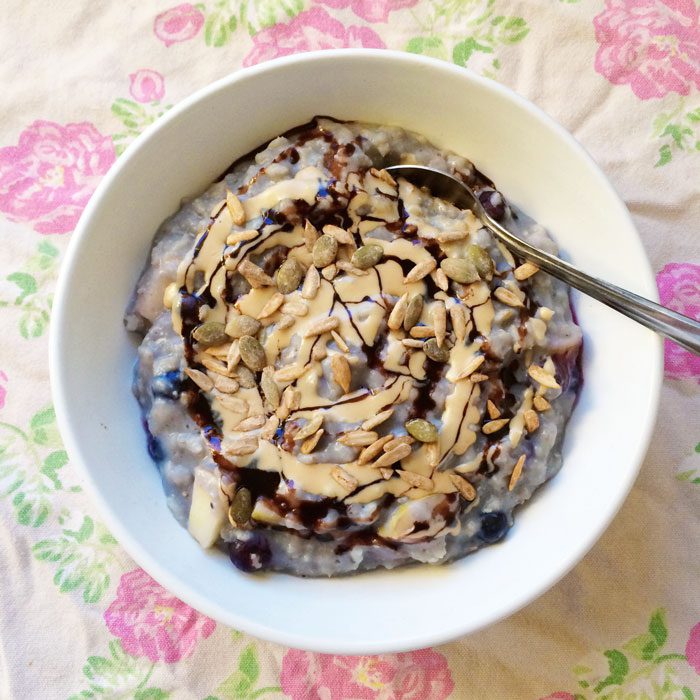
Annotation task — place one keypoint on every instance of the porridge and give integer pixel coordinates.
(339, 371)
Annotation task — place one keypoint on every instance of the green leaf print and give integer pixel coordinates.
(240, 685)
(32, 297)
(483, 31)
(679, 131)
(645, 671)
(83, 557)
(27, 476)
(135, 117)
(259, 14)
(118, 675)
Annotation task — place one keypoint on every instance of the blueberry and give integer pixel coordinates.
(493, 526)
(493, 203)
(167, 385)
(252, 554)
(155, 450)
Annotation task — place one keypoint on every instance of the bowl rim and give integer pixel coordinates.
(111, 516)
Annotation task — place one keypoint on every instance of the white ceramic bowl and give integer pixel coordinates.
(537, 164)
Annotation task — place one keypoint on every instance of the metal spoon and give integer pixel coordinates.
(681, 329)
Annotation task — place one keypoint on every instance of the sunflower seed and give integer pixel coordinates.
(374, 421)
(541, 376)
(312, 282)
(319, 352)
(471, 366)
(251, 423)
(252, 353)
(439, 314)
(285, 321)
(346, 480)
(235, 208)
(233, 404)
(493, 426)
(414, 309)
(241, 236)
(212, 363)
(421, 430)
(370, 452)
(255, 275)
(210, 333)
(412, 343)
(546, 314)
(517, 471)
(241, 508)
(398, 313)
(466, 490)
(289, 373)
(383, 175)
(358, 438)
(309, 445)
(325, 251)
(329, 272)
(310, 235)
(367, 256)
(440, 279)
(541, 404)
(477, 377)
(507, 297)
(340, 234)
(242, 325)
(270, 428)
(245, 377)
(313, 424)
(459, 270)
(296, 308)
(386, 472)
(432, 452)
(402, 440)
(272, 304)
(200, 379)
(350, 268)
(420, 270)
(340, 369)
(459, 321)
(233, 357)
(532, 421)
(239, 447)
(451, 236)
(492, 410)
(422, 332)
(339, 341)
(225, 385)
(325, 325)
(416, 480)
(526, 270)
(392, 457)
(269, 387)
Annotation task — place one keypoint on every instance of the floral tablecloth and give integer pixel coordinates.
(80, 80)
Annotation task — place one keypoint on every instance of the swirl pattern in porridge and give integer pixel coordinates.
(340, 371)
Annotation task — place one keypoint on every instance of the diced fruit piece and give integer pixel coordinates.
(208, 509)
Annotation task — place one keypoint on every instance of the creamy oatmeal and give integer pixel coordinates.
(341, 372)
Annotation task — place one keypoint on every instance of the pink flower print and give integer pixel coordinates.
(652, 45)
(147, 85)
(153, 623)
(3, 388)
(48, 178)
(180, 23)
(310, 30)
(679, 289)
(692, 648)
(418, 675)
(370, 10)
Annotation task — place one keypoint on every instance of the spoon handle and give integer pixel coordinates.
(681, 329)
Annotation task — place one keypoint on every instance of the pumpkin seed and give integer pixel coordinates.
(413, 312)
(422, 430)
(252, 353)
(238, 326)
(435, 352)
(210, 333)
(325, 250)
(289, 276)
(481, 260)
(459, 270)
(367, 256)
(241, 508)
